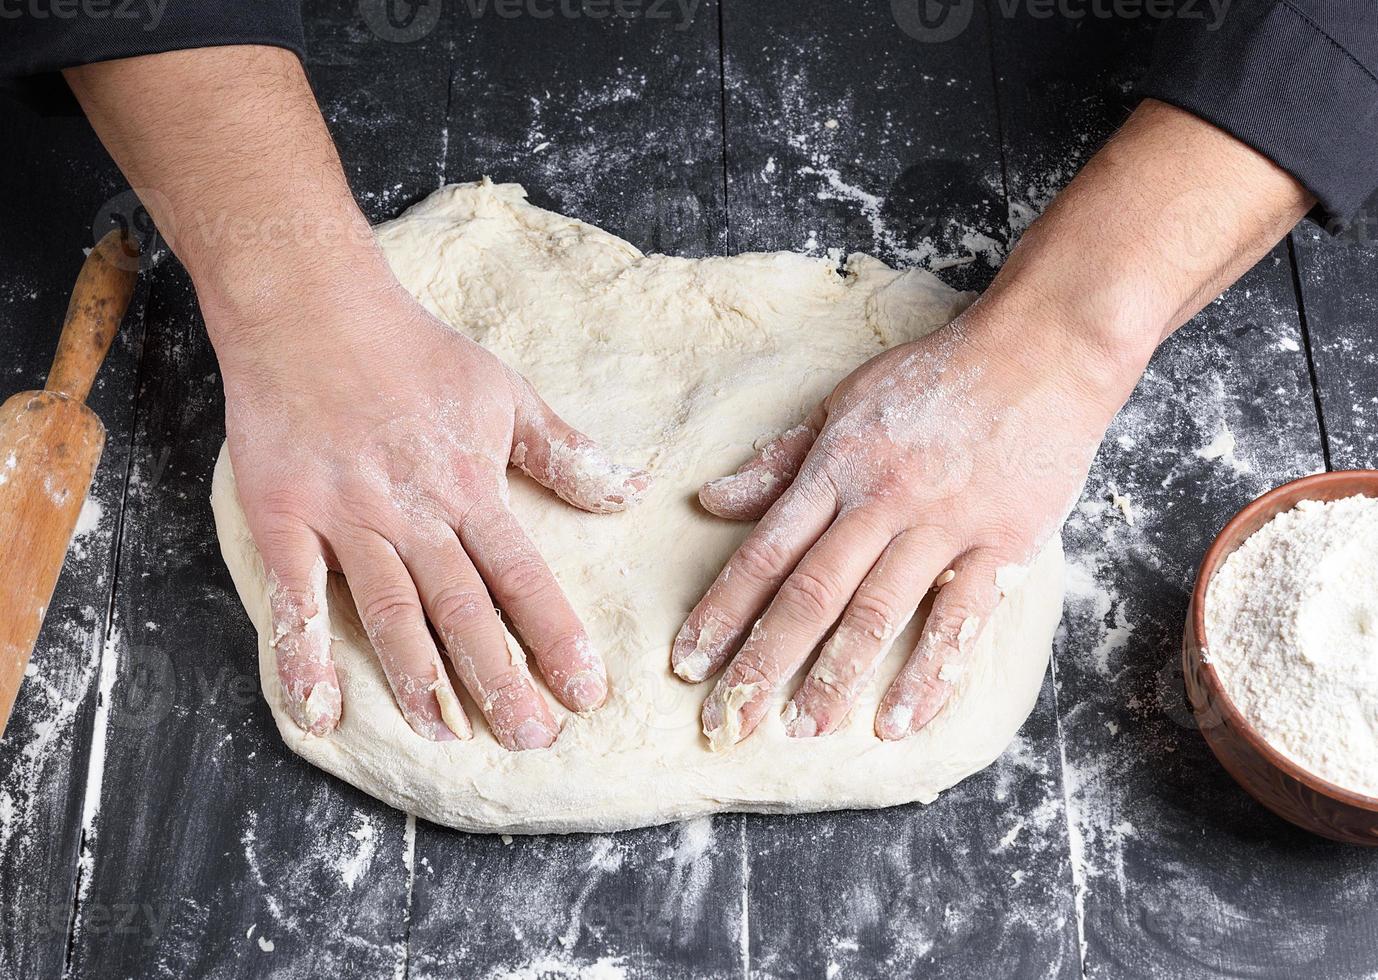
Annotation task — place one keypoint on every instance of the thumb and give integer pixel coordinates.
(557, 456)
(747, 494)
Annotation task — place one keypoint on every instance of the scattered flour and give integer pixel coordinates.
(1292, 629)
(84, 534)
(90, 517)
(1222, 447)
(1123, 503)
(552, 968)
(355, 863)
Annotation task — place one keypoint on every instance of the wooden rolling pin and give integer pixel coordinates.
(50, 443)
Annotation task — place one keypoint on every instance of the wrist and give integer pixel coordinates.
(240, 257)
(1100, 346)
(259, 314)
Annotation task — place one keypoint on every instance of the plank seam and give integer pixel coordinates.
(999, 127)
(1310, 354)
(403, 971)
(1076, 857)
(722, 122)
(1075, 844)
(745, 937)
(80, 873)
(449, 103)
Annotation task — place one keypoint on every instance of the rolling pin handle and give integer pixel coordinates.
(93, 316)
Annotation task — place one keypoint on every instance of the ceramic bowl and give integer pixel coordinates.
(1277, 782)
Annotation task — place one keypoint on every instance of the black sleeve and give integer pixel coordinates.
(44, 36)
(1295, 79)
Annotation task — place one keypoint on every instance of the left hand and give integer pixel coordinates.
(936, 463)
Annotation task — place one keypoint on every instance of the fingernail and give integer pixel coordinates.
(722, 715)
(691, 656)
(693, 667)
(799, 724)
(452, 714)
(894, 723)
(532, 734)
(319, 711)
(712, 719)
(431, 729)
(586, 690)
(441, 732)
(725, 492)
(632, 485)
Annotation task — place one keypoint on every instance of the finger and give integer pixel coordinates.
(810, 600)
(748, 493)
(960, 612)
(750, 578)
(884, 602)
(529, 594)
(301, 631)
(459, 606)
(393, 619)
(580, 471)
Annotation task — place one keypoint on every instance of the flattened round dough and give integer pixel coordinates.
(678, 365)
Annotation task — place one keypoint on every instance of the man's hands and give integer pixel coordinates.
(380, 449)
(365, 436)
(945, 461)
(941, 462)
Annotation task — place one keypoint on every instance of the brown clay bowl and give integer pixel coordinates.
(1269, 777)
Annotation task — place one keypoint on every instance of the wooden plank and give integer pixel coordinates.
(55, 185)
(976, 884)
(1179, 874)
(1338, 277)
(615, 120)
(612, 119)
(664, 901)
(236, 858)
(846, 130)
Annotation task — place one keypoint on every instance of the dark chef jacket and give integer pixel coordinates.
(1295, 79)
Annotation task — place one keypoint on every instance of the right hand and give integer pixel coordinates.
(368, 438)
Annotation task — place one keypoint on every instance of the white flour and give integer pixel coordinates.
(1292, 630)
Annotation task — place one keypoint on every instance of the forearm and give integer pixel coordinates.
(231, 157)
(1167, 215)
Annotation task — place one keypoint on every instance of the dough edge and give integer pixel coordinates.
(643, 800)
(476, 786)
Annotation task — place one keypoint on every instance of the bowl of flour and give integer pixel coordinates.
(1281, 652)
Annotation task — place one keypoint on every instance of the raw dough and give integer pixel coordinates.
(679, 365)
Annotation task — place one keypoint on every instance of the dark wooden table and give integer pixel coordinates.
(152, 824)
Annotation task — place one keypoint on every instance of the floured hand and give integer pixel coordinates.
(380, 450)
(951, 460)
(946, 463)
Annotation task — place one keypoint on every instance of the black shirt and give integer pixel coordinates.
(1295, 79)
(49, 35)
